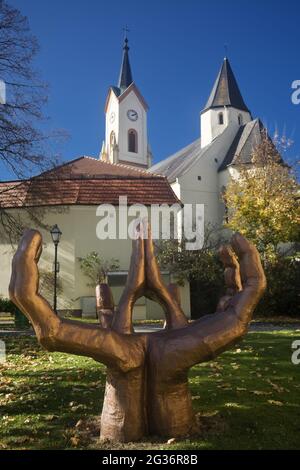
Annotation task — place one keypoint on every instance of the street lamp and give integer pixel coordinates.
(55, 234)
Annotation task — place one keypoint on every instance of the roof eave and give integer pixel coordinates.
(133, 87)
(225, 106)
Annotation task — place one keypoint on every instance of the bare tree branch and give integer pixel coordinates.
(23, 150)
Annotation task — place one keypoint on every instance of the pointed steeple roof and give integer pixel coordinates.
(225, 91)
(125, 78)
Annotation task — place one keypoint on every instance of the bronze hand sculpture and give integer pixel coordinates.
(147, 374)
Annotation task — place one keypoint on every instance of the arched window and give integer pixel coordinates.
(240, 118)
(226, 211)
(112, 140)
(132, 141)
(221, 118)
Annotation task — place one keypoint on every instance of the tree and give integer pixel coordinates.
(190, 265)
(201, 268)
(282, 296)
(263, 201)
(47, 284)
(96, 268)
(147, 374)
(22, 143)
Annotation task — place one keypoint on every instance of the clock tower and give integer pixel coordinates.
(126, 138)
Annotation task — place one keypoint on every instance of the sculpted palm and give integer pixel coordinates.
(147, 374)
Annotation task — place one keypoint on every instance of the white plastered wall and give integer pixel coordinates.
(122, 124)
(78, 225)
(209, 122)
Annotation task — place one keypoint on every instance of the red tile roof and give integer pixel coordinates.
(88, 167)
(87, 181)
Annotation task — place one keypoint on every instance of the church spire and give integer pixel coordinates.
(125, 78)
(126, 137)
(225, 91)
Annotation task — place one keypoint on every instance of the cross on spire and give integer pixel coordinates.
(126, 30)
(226, 50)
(125, 78)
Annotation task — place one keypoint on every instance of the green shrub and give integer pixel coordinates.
(282, 296)
(8, 306)
(206, 285)
(96, 268)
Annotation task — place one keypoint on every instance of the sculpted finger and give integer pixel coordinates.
(252, 273)
(231, 275)
(24, 279)
(252, 277)
(135, 285)
(175, 292)
(104, 305)
(154, 278)
(136, 273)
(30, 245)
(104, 297)
(231, 270)
(157, 290)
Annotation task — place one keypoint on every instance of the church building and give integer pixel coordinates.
(126, 138)
(69, 196)
(199, 172)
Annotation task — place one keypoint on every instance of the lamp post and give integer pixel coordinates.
(55, 234)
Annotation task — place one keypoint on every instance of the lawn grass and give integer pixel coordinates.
(249, 397)
(7, 322)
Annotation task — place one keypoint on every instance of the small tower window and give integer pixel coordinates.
(240, 119)
(221, 118)
(132, 141)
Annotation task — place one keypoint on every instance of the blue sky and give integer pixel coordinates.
(176, 49)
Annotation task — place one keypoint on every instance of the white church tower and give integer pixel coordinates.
(126, 139)
(225, 107)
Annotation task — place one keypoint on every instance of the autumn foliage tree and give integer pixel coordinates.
(263, 204)
(263, 201)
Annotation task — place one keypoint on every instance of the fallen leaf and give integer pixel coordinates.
(277, 387)
(74, 441)
(275, 402)
(172, 440)
(260, 392)
(50, 417)
(78, 407)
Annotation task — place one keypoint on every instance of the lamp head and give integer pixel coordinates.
(55, 234)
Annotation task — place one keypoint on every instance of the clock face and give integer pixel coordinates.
(132, 115)
(112, 117)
